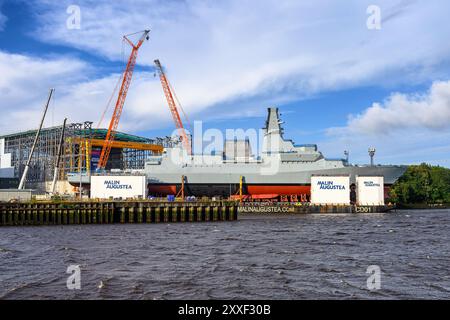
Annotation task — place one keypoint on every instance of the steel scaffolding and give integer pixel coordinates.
(79, 154)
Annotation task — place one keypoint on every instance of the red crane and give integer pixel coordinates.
(127, 75)
(173, 108)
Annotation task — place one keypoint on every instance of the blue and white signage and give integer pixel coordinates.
(125, 187)
(330, 190)
(370, 191)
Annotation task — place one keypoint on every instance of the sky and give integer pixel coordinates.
(340, 79)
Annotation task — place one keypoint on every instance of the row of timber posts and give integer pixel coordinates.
(21, 214)
(150, 213)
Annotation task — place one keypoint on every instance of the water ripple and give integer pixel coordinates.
(258, 257)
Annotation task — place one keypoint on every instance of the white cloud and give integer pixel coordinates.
(400, 111)
(218, 52)
(228, 52)
(90, 98)
(409, 128)
(26, 80)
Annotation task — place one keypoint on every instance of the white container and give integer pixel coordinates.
(6, 170)
(370, 191)
(14, 194)
(330, 190)
(125, 187)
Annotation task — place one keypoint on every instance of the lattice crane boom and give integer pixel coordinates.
(173, 107)
(127, 75)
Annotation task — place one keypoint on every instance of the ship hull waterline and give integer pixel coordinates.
(226, 190)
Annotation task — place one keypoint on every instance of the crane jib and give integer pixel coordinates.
(114, 123)
(173, 108)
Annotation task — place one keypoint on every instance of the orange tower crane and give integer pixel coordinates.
(127, 75)
(173, 108)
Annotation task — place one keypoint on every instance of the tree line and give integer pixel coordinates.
(422, 184)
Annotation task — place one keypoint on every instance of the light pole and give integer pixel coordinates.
(371, 154)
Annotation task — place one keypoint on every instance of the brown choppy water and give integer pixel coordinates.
(257, 257)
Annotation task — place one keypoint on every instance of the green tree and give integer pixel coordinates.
(422, 184)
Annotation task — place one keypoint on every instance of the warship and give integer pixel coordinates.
(283, 168)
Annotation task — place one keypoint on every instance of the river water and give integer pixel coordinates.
(258, 257)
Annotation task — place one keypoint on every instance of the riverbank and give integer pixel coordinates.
(423, 206)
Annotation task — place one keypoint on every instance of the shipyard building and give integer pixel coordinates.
(80, 153)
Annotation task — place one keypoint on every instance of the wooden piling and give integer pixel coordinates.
(105, 213)
(191, 214)
(16, 217)
(72, 213)
(158, 211)
(122, 215)
(140, 217)
(47, 215)
(71, 216)
(130, 215)
(9, 218)
(182, 214)
(175, 214)
(166, 214)
(215, 213)
(148, 214)
(199, 214)
(208, 213)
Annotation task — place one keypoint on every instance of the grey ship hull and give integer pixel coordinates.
(203, 183)
(226, 183)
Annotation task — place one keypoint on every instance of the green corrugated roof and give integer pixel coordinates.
(95, 133)
(120, 136)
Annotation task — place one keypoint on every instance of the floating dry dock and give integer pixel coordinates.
(70, 213)
(107, 212)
